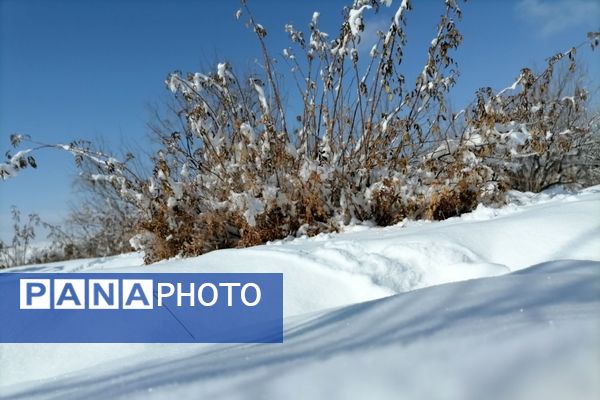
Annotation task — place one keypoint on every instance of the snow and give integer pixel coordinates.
(373, 52)
(355, 19)
(398, 16)
(499, 303)
(315, 17)
(261, 96)
(173, 84)
(10, 168)
(221, 68)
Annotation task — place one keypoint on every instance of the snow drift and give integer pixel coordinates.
(356, 327)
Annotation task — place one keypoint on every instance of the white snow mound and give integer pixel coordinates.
(528, 334)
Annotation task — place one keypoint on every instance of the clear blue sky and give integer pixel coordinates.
(87, 69)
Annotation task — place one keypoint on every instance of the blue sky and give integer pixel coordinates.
(75, 69)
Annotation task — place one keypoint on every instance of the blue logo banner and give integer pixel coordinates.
(141, 308)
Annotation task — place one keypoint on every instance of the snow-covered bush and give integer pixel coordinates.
(368, 143)
(538, 132)
(88, 233)
(102, 220)
(91, 230)
(18, 250)
(243, 172)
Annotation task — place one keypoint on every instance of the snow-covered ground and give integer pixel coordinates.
(393, 312)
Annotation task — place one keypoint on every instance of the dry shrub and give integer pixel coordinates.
(193, 235)
(270, 226)
(387, 205)
(369, 143)
(451, 202)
